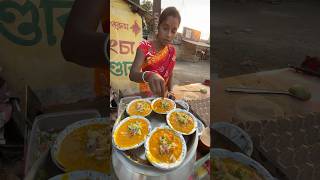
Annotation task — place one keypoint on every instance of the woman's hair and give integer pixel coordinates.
(169, 11)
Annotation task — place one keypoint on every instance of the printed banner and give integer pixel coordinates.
(125, 35)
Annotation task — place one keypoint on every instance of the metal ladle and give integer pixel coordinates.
(202, 90)
(296, 91)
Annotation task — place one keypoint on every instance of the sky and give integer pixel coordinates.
(195, 14)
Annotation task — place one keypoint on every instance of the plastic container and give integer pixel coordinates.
(49, 122)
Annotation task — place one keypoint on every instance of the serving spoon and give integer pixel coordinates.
(296, 91)
(202, 90)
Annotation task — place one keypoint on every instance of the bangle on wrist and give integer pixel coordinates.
(144, 74)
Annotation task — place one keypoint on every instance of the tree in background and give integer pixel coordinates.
(147, 5)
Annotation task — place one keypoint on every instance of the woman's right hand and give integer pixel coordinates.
(157, 84)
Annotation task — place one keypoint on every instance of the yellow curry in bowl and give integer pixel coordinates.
(182, 121)
(85, 148)
(165, 148)
(163, 105)
(228, 168)
(139, 107)
(131, 132)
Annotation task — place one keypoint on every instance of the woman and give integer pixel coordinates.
(155, 60)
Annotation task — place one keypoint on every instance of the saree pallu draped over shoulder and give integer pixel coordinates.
(161, 62)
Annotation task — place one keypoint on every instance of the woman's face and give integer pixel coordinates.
(168, 29)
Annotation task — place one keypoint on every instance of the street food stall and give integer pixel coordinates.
(66, 144)
(69, 143)
(136, 161)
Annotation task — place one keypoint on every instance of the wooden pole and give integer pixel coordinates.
(156, 10)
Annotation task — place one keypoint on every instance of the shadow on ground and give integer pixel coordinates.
(257, 35)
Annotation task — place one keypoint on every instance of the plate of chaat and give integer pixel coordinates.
(163, 105)
(182, 121)
(139, 107)
(164, 148)
(130, 133)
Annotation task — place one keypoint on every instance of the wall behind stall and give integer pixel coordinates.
(185, 51)
(30, 52)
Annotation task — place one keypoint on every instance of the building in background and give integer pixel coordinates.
(190, 47)
(191, 34)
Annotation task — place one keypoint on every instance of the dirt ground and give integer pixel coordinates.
(191, 72)
(256, 35)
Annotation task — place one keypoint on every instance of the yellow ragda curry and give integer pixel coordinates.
(139, 108)
(132, 132)
(181, 121)
(85, 149)
(163, 105)
(227, 168)
(164, 146)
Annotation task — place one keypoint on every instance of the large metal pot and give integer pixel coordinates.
(125, 169)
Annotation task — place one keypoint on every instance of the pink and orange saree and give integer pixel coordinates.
(161, 62)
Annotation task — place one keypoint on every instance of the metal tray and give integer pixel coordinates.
(138, 155)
